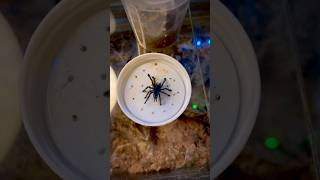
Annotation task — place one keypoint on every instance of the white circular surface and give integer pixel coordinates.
(10, 66)
(112, 23)
(133, 79)
(64, 103)
(236, 79)
(113, 89)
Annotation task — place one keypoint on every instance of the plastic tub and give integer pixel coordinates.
(68, 126)
(156, 23)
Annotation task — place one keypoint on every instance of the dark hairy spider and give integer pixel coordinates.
(155, 89)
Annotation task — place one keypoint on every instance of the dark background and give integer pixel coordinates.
(286, 38)
(22, 161)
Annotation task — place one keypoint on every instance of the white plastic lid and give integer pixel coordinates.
(133, 79)
(112, 23)
(113, 88)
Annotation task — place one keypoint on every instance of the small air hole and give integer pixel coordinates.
(106, 94)
(143, 70)
(83, 48)
(156, 64)
(142, 85)
(152, 113)
(70, 78)
(141, 109)
(132, 98)
(164, 111)
(74, 117)
(172, 104)
(136, 76)
(131, 86)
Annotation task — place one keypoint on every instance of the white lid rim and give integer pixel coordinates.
(120, 98)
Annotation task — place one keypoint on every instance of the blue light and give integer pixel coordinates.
(198, 43)
(209, 41)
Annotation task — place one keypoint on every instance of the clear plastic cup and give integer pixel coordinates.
(156, 23)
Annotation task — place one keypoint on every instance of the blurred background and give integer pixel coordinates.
(165, 155)
(285, 141)
(23, 162)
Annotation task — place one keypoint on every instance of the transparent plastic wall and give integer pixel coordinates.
(190, 47)
(284, 142)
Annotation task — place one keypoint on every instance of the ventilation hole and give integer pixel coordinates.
(164, 111)
(172, 104)
(83, 48)
(70, 78)
(152, 113)
(136, 76)
(106, 94)
(156, 64)
(74, 117)
(143, 70)
(142, 85)
(132, 98)
(131, 86)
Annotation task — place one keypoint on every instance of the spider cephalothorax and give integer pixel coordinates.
(156, 89)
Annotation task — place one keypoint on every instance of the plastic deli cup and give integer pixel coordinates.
(113, 91)
(156, 22)
(153, 89)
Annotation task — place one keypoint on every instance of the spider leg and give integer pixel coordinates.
(160, 99)
(147, 94)
(147, 88)
(150, 92)
(154, 80)
(163, 81)
(166, 89)
(164, 93)
(151, 79)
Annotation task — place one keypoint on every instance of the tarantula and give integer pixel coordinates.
(156, 89)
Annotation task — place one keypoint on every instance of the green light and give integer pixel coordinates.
(272, 143)
(194, 106)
